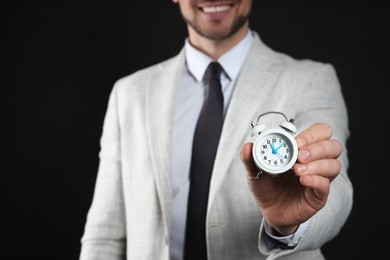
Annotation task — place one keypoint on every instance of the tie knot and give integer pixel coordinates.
(213, 71)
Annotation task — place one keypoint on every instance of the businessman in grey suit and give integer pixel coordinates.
(139, 208)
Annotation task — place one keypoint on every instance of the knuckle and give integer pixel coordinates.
(337, 165)
(326, 130)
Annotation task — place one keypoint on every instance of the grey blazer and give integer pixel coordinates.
(130, 213)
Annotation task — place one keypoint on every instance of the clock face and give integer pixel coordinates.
(275, 151)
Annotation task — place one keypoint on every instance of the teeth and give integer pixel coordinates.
(215, 9)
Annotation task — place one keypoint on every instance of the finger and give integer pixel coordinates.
(319, 191)
(327, 149)
(315, 133)
(327, 168)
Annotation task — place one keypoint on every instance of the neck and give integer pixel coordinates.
(216, 48)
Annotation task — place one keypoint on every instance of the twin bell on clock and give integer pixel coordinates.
(274, 150)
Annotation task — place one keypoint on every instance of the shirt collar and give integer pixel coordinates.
(231, 61)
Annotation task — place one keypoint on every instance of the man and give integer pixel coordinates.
(139, 210)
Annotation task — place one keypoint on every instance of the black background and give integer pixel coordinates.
(60, 59)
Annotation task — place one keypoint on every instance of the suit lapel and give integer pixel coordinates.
(259, 73)
(160, 96)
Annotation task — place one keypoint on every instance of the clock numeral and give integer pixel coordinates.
(264, 146)
(276, 162)
(281, 161)
(265, 157)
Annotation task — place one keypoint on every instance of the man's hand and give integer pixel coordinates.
(291, 198)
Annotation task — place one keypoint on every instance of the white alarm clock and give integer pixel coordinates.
(275, 150)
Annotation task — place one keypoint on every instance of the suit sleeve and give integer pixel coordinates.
(320, 99)
(105, 229)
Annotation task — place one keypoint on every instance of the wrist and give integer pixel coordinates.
(290, 240)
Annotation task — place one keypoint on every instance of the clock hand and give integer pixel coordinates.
(279, 146)
(281, 156)
(273, 149)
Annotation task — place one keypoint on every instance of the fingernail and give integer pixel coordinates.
(300, 141)
(301, 168)
(304, 154)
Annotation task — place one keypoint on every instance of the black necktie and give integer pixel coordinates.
(204, 148)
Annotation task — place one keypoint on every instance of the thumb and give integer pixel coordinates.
(247, 159)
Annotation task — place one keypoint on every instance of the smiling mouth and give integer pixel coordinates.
(215, 9)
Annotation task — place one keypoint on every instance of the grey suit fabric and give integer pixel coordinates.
(130, 213)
